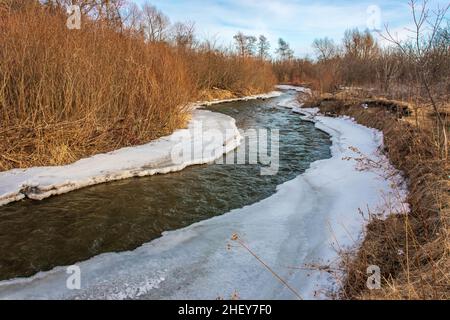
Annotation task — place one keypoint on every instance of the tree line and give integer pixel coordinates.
(151, 23)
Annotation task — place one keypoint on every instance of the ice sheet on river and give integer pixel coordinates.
(304, 222)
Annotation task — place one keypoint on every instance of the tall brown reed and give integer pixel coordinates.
(67, 94)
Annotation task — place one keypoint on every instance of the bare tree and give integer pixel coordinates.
(360, 45)
(251, 46)
(325, 48)
(359, 51)
(108, 10)
(155, 23)
(112, 12)
(263, 47)
(132, 16)
(184, 34)
(388, 66)
(284, 50)
(245, 45)
(240, 40)
(420, 49)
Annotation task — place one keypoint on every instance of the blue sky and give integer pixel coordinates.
(297, 21)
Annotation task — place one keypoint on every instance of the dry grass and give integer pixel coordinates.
(216, 71)
(216, 94)
(412, 249)
(67, 94)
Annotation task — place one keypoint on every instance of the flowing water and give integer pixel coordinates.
(122, 215)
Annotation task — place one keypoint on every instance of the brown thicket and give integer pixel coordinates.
(123, 79)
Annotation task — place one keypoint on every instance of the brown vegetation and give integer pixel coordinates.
(65, 95)
(123, 79)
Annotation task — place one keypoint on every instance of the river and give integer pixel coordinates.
(39, 235)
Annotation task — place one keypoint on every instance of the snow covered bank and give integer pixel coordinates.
(296, 88)
(149, 159)
(304, 222)
(268, 95)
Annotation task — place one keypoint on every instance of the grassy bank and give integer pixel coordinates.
(412, 250)
(67, 94)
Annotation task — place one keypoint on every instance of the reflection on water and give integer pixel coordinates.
(36, 236)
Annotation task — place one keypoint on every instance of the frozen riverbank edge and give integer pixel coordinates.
(303, 224)
(152, 158)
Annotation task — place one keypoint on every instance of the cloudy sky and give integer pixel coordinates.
(297, 21)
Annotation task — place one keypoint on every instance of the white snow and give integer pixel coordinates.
(296, 88)
(304, 222)
(153, 158)
(272, 94)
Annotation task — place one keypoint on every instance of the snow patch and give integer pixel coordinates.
(268, 95)
(295, 88)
